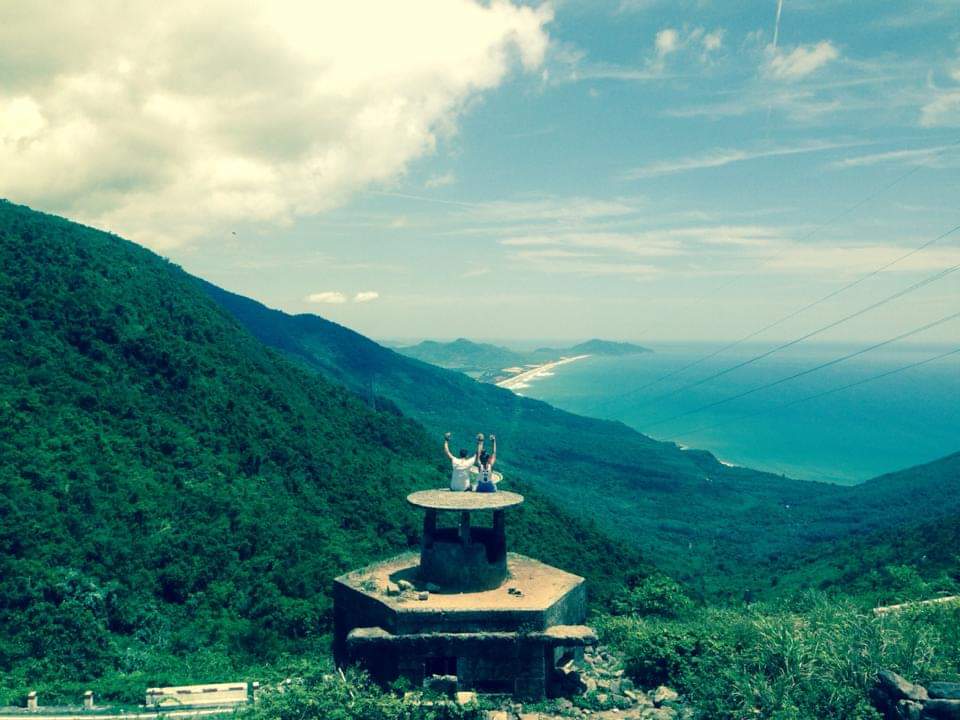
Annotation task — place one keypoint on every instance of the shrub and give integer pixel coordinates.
(774, 662)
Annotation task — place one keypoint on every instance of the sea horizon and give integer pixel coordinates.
(845, 437)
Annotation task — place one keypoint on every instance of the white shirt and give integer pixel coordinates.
(460, 477)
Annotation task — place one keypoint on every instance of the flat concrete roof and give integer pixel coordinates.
(445, 499)
(540, 586)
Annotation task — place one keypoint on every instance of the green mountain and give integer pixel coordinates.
(595, 347)
(917, 560)
(475, 359)
(487, 362)
(175, 497)
(691, 515)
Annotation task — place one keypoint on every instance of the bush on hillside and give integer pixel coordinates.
(327, 695)
(815, 660)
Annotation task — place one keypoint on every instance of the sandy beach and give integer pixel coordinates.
(521, 380)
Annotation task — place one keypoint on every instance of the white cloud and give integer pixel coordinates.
(668, 41)
(365, 296)
(944, 109)
(329, 297)
(443, 180)
(919, 156)
(712, 41)
(719, 158)
(801, 61)
(169, 121)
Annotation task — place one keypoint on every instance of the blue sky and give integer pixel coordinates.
(637, 170)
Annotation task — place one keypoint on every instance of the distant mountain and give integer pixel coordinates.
(490, 363)
(689, 513)
(596, 347)
(175, 497)
(918, 559)
(476, 359)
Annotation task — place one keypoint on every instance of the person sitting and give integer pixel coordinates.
(460, 475)
(485, 483)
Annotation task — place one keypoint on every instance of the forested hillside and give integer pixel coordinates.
(692, 515)
(170, 488)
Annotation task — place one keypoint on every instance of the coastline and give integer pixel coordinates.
(522, 380)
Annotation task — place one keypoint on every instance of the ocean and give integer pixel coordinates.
(891, 423)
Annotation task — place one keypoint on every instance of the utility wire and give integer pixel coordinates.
(815, 368)
(780, 321)
(783, 346)
(823, 393)
(830, 221)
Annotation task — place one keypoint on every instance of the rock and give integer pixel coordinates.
(464, 698)
(662, 713)
(589, 684)
(423, 595)
(663, 695)
(393, 589)
(944, 690)
(497, 715)
(908, 710)
(430, 587)
(405, 585)
(626, 684)
(899, 688)
(941, 709)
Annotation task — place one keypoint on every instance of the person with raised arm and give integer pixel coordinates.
(461, 464)
(485, 483)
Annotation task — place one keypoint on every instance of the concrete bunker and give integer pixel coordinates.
(496, 621)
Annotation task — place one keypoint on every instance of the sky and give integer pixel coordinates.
(646, 170)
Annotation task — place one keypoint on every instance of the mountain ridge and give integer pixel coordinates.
(605, 470)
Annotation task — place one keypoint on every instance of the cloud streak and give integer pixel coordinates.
(722, 157)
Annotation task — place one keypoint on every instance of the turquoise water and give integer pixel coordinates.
(847, 437)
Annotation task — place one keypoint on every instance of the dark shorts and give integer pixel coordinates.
(486, 487)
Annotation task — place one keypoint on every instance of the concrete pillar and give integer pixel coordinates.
(499, 523)
(465, 527)
(255, 691)
(429, 528)
(32, 700)
(88, 700)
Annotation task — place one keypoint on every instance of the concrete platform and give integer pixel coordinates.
(463, 501)
(503, 640)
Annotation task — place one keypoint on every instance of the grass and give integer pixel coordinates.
(812, 658)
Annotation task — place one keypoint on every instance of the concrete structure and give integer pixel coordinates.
(464, 607)
(212, 695)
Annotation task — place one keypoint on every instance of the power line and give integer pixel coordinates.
(823, 393)
(829, 326)
(780, 321)
(821, 366)
(830, 221)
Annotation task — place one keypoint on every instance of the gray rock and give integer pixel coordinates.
(589, 684)
(393, 589)
(663, 695)
(405, 585)
(944, 690)
(423, 596)
(908, 710)
(899, 688)
(941, 709)
(662, 713)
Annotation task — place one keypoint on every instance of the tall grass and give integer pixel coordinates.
(813, 659)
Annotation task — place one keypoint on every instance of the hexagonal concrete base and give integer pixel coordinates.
(508, 639)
